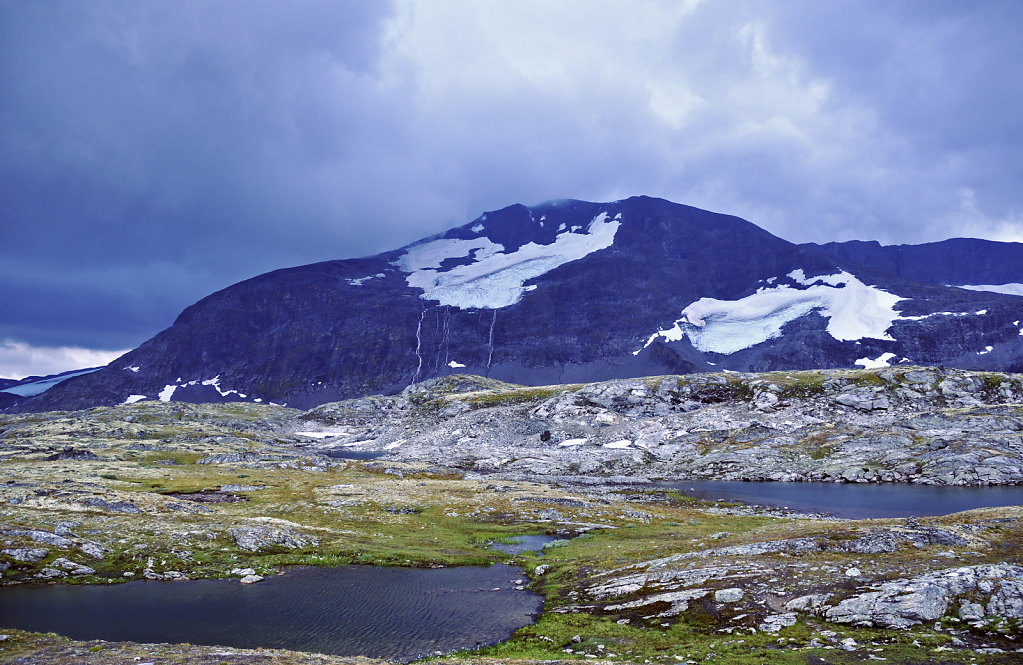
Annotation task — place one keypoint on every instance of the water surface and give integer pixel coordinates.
(521, 544)
(395, 613)
(855, 500)
(344, 453)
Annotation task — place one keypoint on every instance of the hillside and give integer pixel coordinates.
(572, 291)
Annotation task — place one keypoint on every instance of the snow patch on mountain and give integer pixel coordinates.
(33, 388)
(496, 279)
(215, 382)
(883, 360)
(1011, 289)
(855, 311)
(168, 391)
(357, 281)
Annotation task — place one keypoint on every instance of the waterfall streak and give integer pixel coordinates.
(419, 343)
(491, 342)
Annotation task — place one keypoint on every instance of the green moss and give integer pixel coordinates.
(513, 396)
(868, 378)
(801, 384)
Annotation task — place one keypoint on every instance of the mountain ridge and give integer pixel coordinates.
(570, 291)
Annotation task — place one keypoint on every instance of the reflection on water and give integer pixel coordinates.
(521, 544)
(344, 453)
(395, 613)
(855, 500)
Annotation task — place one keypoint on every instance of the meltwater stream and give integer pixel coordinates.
(394, 613)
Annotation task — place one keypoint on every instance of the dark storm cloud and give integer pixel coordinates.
(153, 152)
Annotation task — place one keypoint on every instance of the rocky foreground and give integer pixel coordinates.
(643, 574)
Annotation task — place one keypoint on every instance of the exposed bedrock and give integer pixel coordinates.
(916, 425)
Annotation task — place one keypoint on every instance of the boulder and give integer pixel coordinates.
(1007, 600)
(253, 539)
(732, 595)
(95, 550)
(40, 536)
(772, 623)
(111, 506)
(73, 567)
(906, 602)
(971, 611)
(864, 400)
(26, 554)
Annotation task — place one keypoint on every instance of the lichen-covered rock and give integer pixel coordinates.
(1007, 600)
(26, 554)
(731, 595)
(813, 603)
(253, 539)
(73, 567)
(907, 602)
(772, 623)
(863, 399)
(971, 611)
(95, 550)
(40, 536)
(111, 506)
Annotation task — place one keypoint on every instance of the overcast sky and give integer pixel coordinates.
(154, 152)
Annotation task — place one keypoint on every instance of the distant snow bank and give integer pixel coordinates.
(1011, 289)
(883, 360)
(856, 311)
(37, 387)
(496, 279)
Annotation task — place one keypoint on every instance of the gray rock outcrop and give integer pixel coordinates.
(901, 424)
(907, 602)
(254, 539)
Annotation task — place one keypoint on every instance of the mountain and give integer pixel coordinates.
(572, 291)
(13, 391)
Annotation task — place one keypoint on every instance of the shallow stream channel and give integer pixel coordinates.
(381, 612)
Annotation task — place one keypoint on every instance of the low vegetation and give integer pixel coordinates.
(154, 490)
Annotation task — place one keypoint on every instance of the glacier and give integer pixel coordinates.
(854, 309)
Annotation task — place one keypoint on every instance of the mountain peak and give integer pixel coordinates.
(575, 291)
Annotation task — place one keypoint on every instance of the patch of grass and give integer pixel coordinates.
(868, 378)
(513, 396)
(800, 384)
(588, 636)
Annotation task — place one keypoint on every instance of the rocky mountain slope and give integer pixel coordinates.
(575, 291)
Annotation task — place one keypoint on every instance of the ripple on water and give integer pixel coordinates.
(395, 613)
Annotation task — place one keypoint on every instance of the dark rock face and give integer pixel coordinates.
(953, 261)
(557, 313)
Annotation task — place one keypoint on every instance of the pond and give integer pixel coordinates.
(521, 544)
(345, 453)
(854, 500)
(394, 613)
